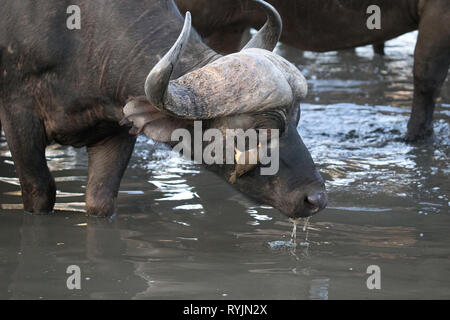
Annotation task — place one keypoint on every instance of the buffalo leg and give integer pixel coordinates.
(27, 140)
(108, 160)
(378, 48)
(431, 63)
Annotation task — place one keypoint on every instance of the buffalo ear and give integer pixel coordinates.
(146, 118)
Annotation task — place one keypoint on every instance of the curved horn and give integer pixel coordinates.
(159, 77)
(269, 35)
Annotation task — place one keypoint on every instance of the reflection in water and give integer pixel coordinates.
(319, 289)
(181, 232)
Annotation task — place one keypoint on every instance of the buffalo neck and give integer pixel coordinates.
(121, 41)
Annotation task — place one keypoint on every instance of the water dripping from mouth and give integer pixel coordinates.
(305, 243)
(294, 231)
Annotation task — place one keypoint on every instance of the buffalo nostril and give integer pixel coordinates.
(317, 201)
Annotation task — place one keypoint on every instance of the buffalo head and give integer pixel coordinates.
(254, 89)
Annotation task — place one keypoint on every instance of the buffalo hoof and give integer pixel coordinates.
(40, 213)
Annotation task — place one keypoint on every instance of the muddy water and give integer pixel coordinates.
(181, 232)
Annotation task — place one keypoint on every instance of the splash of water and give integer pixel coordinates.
(295, 222)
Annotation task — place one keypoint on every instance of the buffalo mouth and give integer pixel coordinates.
(307, 205)
(301, 202)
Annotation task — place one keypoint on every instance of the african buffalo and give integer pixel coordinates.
(327, 25)
(69, 86)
